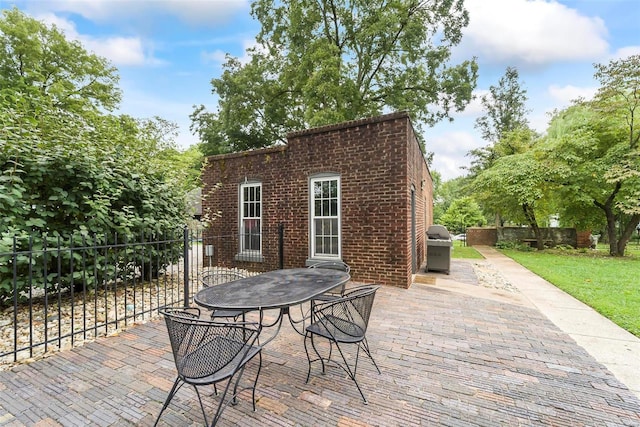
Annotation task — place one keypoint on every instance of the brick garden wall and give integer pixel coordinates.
(552, 235)
(557, 236)
(482, 236)
(379, 162)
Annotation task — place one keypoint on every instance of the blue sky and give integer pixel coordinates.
(167, 52)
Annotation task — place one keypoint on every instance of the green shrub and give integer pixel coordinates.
(72, 196)
(514, 245)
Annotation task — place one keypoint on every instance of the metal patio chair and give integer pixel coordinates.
(223, 276)
(207, 352)
(338, 290)
(342, 321)
(300, 321)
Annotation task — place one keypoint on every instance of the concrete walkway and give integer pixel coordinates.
(608, 343)
(451, 353)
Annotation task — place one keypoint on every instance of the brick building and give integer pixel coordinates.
(358, 191)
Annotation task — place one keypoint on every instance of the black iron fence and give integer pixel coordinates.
(58, 292)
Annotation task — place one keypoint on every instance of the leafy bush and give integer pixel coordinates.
(56, 198)
(518, 246)
(68, 194)
(73, 176)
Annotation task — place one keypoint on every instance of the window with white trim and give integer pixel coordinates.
(325, 217)
(250, 217)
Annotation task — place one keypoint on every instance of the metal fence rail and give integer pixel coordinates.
(56, 293)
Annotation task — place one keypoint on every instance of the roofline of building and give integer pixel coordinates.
(349, 124)
(313, 131)
(254, 152)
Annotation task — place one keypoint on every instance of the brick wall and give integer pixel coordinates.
(583, 239)
(551, 235)
(491, 235)
(482, 236)
(379, 162)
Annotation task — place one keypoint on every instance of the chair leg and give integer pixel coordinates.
(309, 336)
(255, 382)
(253, 387)
(300, 324)
(233, 400)
(221, 404)
(352, 373)
(365, 347)
(177, 384)
(204, 414)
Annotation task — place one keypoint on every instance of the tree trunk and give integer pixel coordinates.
(627, 232)
(611, 232)
(530, 215)
(607, 207)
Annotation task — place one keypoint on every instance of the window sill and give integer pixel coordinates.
(248, 257)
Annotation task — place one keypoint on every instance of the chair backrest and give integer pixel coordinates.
(349, 314)
(202, 347)
(334, 265)
(220, 276)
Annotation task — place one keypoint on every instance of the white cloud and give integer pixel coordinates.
(474, 108)
(218, 57)
(626, 52)
(540, 121)
(450, 150)
(532, 32)
(119, 50)
(564, 95)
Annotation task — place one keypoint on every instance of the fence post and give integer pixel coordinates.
(15, 297)
(186, 265)
(281, 244)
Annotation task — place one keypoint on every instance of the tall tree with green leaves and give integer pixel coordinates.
(327, 61)
(461, 214)
(70, 171)
(505, 111)
(445, 193)
(516, 184)
(34, 56)
(594, 150)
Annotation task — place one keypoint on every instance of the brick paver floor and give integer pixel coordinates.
(447, 359)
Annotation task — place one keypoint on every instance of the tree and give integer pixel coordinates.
(445, 193)
(69, 171)
(504, 112)
(619, 95)
(593, 147)
(36, 57)
(321, 62)
(461, 214)
(515, 184)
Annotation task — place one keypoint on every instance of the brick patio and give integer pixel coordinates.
(447, 359)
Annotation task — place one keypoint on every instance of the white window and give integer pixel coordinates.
(250, 217)
(325, 217)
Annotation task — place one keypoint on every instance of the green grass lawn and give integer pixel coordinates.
(633, 249)
(608, 285)
(462, 251)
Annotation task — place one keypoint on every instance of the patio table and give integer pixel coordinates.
(277, 289)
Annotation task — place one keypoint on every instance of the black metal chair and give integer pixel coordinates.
(342, 321)
(217, 277)
(207, 352)
(338, 290)
(299, 321)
